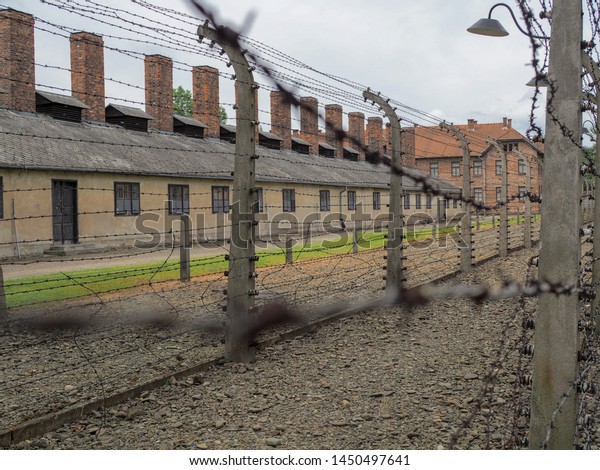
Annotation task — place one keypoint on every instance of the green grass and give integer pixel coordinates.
(73, 284)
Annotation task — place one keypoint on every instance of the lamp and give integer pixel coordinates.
(490, 27)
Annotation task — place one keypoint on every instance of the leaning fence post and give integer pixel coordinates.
(527, 221)
(466, 252)
(478, 222)
(241, 284)
(503, 236)
(355, 240)
(3, 308)
(433, 230)
(288, 251)
(184, 249)
(395, 267)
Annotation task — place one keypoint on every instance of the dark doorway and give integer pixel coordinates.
(64, 211)
(441, 210)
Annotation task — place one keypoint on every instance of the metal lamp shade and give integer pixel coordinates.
(488, 27)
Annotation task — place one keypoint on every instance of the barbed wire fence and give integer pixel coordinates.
(113, 317)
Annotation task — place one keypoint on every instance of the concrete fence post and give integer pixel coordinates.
(289, 243)
(242, 273)
(184, 248)
(466, 260)
(3, 307)
(503, 236)
(395, 266)
(556, 338)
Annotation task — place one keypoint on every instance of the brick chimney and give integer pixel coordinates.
(333, 122)
(309, 122)
(281, 118)
(17, 55)
(471, 123)
(375, 134)
(506, 123)
(159, 91)
(408, 147)
(87, 73)
(205, 92)
(356, 130)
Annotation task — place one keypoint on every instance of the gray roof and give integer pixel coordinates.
(269, 135)
(62, 99)
(40, 142)
(229, 128)
(129, 111)
(351, 150)
(300, 141)
(326, 146)
(188, 121)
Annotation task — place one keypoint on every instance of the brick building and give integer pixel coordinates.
(439, 154)
(75, 171)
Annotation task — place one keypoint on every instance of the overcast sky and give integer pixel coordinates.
(415, 51)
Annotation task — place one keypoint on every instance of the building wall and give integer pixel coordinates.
(99, 226)
(488, 181)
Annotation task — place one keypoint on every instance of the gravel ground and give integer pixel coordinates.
(386, 379)
(383, 379)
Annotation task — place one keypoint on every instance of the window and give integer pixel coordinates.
(258, 201)
(455, 168)
(511, 147)
(179, 199)
(498, 194)
(289, 200)
(478, 195)
(522, 192)
(522, 167)
(498, 167)
(376, 200)
(351, 200)
(428, 201)
(455, 203)
(407, 201)
(127, 198)
(220, 199)
(477, 168)
(447, 203)
(433, 169)
(325, 200)
(417, 201)
(1, 199)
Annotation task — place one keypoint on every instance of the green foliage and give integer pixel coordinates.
(183, 104)
(182, 101)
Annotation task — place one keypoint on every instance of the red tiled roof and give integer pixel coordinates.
(432, 142)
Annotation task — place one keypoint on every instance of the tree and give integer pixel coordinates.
(183, 104)
(182, 101)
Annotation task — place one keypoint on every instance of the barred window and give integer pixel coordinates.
(179, 199)
(498, 194)
(351, 200)
(407, 201)
(428, 199)
(417, 201)
(324, 200)
(376, 200)
(289, 200)
(127, 198)
(220, 199)
(478, 195)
